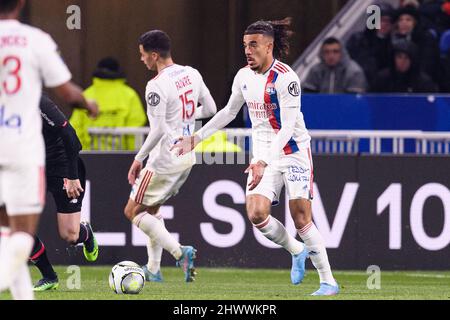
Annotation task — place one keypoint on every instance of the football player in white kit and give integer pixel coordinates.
(172, 107)
(28, 57)
(281, 147)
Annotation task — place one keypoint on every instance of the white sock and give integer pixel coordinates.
(13, 257)
(318, 254)
(154, 251)
(274, 230)
(153, 228)
(4, 237)
(22, 288)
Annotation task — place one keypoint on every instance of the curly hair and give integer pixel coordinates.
(279, 30)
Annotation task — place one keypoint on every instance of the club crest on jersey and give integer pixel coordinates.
(270, 88)
(294, 89)
(153, 99)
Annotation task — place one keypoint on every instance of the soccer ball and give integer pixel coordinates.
(127, 277)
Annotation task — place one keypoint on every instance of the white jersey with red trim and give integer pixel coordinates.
(28, 58)
(175, 94)
(264, 95)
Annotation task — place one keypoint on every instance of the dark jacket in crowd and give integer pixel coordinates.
(445, 75)
(433, 17)
(371, 52)
(427, 44)
(346, 77)
(413, 81)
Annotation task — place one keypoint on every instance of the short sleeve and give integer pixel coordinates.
(156, 99)
(54, 71)
(288, 90)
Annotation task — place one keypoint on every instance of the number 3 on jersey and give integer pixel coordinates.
(13, 82)
(188, 105)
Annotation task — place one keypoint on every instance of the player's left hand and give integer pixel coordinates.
(134, 171)
(73, 188)
(257, 172)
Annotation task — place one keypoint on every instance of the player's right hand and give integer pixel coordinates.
(73, 188)
(92, 108)
(257, 172)
(185, 144)
(134, 171)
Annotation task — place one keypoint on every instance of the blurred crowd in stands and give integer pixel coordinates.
(409, 53)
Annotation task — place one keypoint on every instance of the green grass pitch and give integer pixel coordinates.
(252, 284)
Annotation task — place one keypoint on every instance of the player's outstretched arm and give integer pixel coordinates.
(207, 109)
(72, 94)
(56, 76)
(186, 144)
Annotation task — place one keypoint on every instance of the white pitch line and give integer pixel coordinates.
(425, 275)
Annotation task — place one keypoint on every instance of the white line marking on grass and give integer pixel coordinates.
(427, 275)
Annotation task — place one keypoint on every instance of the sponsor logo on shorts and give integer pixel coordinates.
(297, 173)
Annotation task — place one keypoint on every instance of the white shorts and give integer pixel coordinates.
(22, 188)
(151, 188)
(294, 171)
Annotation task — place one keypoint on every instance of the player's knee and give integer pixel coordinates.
(258, 209)
(301, 213)
(257, 214)
(301, 218)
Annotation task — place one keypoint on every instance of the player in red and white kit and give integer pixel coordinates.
(172, 107)
(28, 58)
(281, 147)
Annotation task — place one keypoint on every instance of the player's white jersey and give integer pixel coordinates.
(28, 57)
(175, 94)
(264, 95)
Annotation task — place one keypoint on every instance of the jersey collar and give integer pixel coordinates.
(167, 67)
(271, 66)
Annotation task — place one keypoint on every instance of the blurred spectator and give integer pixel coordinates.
(336, 73)
(435, 16)
(404, 75)
(446, 10)
(119, 106)
(444, 46)
(445, 75)
(412, 3)
(372, 49)
(409, 29)
(445, 81)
